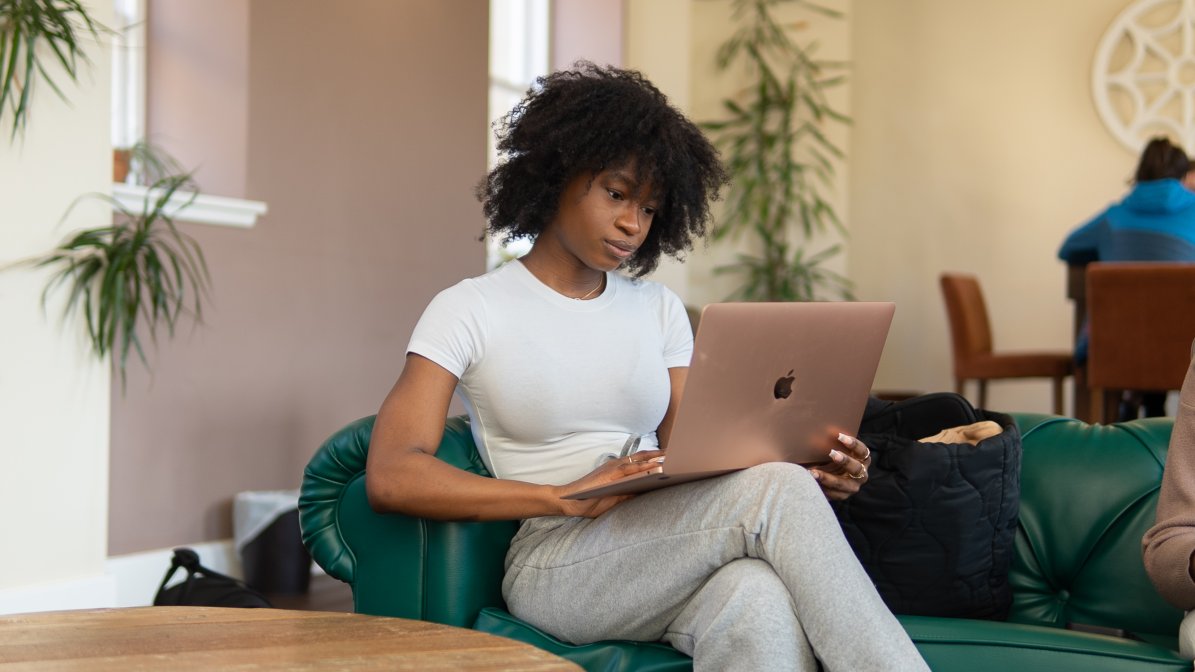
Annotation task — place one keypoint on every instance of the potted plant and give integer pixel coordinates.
(136, 276)
(34, 33)
(143, 163)
(780, 157)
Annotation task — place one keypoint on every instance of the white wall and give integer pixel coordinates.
(53, 396)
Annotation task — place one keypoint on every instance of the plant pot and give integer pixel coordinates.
(120, 165)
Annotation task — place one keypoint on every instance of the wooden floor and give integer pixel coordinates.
(324, 594)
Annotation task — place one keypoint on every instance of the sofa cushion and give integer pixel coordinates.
(606, 656)
(990, 646)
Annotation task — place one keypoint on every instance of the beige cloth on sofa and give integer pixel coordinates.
(972, 433)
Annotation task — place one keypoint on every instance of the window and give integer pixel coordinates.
(518, 54)
(129, 94)
(128, 73)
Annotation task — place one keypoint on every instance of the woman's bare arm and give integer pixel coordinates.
(403, 475)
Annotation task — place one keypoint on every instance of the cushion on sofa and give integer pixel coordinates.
(989, 646)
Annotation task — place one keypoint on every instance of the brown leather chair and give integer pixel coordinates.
(1141, 319)
(971, 339)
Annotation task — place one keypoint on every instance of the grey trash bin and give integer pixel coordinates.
(267, 538)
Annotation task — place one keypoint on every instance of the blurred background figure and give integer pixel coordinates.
(1155, 222)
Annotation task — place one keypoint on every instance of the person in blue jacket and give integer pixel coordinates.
(1155, 222)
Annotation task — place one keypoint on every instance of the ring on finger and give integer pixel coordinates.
(867, 455)
(862, 472)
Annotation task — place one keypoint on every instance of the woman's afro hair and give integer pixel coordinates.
(585, 121)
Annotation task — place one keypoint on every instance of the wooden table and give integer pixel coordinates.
(210, 638)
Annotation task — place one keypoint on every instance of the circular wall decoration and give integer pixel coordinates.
(1143, 78)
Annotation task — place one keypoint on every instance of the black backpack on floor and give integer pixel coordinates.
(204, 587)
(934, 524)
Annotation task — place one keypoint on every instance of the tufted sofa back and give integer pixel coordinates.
(1088, 494)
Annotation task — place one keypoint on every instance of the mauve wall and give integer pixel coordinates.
(366, 135)
(197, 63)
(588, 29)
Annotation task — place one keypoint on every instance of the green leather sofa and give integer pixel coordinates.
(1088, 494)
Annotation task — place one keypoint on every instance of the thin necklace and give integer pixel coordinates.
(590, 293)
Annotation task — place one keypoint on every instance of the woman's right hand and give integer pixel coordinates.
(608, 472)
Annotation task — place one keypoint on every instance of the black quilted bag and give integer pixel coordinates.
(934, 524)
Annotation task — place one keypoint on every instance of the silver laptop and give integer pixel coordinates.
(769, 382)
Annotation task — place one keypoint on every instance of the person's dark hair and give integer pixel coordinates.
(1160, 160)
(590, 119)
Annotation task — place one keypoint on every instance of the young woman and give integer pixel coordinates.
(561, 362)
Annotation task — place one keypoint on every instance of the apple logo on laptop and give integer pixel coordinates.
(784, 386)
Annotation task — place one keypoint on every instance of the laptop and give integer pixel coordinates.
(768, 382)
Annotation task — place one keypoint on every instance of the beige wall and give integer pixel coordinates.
(53, 394)
(366, 136)
(667, 64)
(975, 147)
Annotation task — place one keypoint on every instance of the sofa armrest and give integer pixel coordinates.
(398, 565)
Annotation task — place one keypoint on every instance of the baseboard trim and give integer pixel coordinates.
(92, 592)
(138, 575)
(129, 580)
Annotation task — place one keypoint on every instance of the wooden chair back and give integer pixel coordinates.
(967, 313)
(1141, 321)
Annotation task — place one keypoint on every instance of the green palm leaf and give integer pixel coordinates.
(33, 32)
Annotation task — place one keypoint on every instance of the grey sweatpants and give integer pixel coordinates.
(747, 571)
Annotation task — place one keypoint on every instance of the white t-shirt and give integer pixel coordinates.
(553, 385)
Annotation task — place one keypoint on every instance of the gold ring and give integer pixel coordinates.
(862, 473)
(630, 460)
(867, 456)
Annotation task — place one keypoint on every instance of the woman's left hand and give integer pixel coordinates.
(847, 471)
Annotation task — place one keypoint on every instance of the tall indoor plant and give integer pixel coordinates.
(780, 156)
(33, 34)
